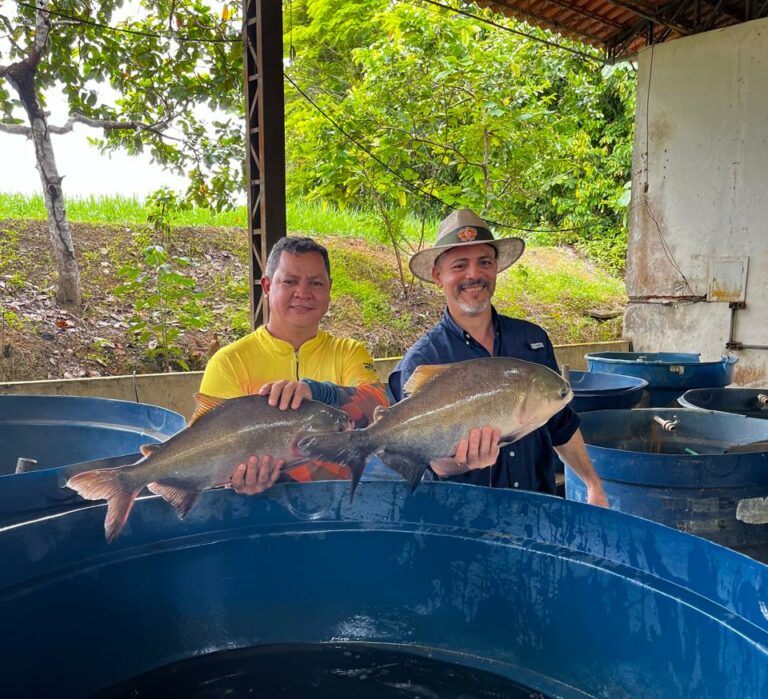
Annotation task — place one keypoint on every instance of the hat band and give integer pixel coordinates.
(465, 234)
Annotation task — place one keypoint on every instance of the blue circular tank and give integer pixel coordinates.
(454, 590)
(66, 435)
(669, 374)
(599, 391)
(751, 402)
(60, 430)
(682, 478)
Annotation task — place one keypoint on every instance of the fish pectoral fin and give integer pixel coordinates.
(148, 449)
(408, 467)
(182, 500)
(204, 403)
(422, 375)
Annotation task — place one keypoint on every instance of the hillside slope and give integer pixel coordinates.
(39, 339)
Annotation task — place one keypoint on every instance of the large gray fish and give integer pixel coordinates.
(221, 435)
(445, 402)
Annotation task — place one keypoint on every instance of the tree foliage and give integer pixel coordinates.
(139, 73)
(524, 133)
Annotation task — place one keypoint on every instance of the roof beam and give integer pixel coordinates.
(653, 15)
(547, 22)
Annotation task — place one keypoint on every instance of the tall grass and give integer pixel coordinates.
(309, 218)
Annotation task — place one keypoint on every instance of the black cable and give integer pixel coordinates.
(165, 35)
(533, 37)
(412, 185)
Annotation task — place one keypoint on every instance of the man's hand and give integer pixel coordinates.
(479, 450)
(256, 475)
(286, 394)
(596, 495)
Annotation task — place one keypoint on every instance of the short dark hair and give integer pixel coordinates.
(296, 246)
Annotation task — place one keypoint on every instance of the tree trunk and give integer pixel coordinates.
(22, 76)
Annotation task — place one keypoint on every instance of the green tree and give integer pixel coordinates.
(157, 66)
(522, 132)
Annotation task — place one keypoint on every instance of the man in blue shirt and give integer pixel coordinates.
(464, 263)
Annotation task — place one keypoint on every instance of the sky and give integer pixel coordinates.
(85, 171)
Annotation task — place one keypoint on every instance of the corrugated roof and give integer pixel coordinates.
(622, 27)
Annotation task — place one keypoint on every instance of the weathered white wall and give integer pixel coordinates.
(700, 190)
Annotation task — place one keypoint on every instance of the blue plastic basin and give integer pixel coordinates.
(562, 599)
(669, 374)
(598, 391)
(68, 434)
(683, 478)
(744, 401)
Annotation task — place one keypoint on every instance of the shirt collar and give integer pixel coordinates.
(278, 346)
(454, 328)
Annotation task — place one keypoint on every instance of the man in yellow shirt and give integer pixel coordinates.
(291, 359)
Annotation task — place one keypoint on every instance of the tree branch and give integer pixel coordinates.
(18, 129)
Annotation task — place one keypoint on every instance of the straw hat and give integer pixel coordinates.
(464, 227)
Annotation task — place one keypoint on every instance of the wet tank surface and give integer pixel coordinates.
(322, 671)
(509, 591)
(688, 469)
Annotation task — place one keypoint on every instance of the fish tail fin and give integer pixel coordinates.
(107, 484)
(409, 468)
(348, 448)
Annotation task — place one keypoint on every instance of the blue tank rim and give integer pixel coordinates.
(700, 470)
(632, 383)
(719, 391)
(454, 509)
(658, 358)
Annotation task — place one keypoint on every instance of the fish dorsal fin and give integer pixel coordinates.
(148, 449)
(204, 403)
(423, 375)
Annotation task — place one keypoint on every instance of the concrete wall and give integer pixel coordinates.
(175, 391)
(700, 191)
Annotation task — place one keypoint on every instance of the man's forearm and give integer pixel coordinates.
(359, 402)
(574, 453)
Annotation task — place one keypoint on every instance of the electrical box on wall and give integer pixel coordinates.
(727, 279)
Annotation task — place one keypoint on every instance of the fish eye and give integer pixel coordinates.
(564, 391)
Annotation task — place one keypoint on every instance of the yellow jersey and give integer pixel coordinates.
(241, 368)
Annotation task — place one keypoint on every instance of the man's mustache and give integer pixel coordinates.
(473, 282)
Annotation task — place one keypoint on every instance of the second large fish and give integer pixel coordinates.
(205, 454)
(446, 401)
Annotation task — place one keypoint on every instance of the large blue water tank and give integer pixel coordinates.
(524, 593)
(599, 391)
(669, 374)
(682, 478)
(752, 402)
(65, 435)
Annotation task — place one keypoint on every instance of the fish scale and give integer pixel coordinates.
(205, 454)
(445, 402)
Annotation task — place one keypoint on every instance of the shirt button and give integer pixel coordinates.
(466, 342)
(511, 453)
(516, 484)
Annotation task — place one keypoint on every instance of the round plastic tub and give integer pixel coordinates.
(451, 591)
(598, 391)
(669, 374)
(682, 478)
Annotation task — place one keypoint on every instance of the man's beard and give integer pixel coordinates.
(473, 308)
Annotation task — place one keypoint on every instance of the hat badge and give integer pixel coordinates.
(467, 233)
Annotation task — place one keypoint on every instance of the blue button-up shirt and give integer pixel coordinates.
(529, 463)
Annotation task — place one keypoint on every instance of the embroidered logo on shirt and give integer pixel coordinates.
(467, 233)
(536, 345)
